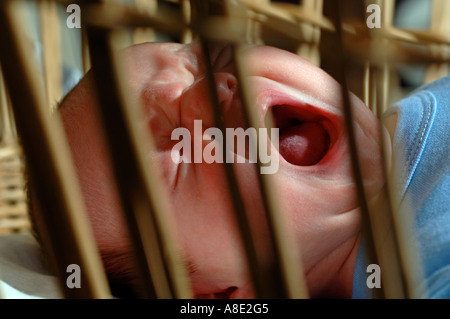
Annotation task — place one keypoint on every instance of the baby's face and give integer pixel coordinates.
(313, 183)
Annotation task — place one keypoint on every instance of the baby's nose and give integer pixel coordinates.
(197, 103)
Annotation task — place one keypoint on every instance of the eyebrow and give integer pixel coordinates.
(189, 264)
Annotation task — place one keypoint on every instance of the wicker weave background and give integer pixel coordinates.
(13, 204)
(13, 207)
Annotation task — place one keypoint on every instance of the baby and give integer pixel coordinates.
(314, 164)
(314, 183)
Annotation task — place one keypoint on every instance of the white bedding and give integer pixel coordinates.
(22, 271)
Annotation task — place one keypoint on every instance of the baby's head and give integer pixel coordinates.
(314, 184)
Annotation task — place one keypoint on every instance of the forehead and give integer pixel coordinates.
(265, 61)
(150, 58)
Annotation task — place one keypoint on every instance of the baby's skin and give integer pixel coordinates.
(314, 184)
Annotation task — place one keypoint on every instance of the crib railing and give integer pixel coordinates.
(308, 29)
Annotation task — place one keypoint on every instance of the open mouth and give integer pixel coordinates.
(304, 135)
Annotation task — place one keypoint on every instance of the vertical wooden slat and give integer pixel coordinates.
(265, 278)
(340, 62)
(287, 257)
(270, 280)
(440, 24)
(393, 235)
(264, 281)
(403, 271)
(142, 35)
(310, 51)
(366, 84)
(186, 14)
(385, 232)
(388, 11)
(8, 132)
(142, 192)
(67, 237)
(258, 275)
(254, 27)
(85, 51)
(51, 49)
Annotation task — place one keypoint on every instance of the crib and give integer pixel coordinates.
(379, 63)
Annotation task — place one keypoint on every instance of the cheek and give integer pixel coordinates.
(105, 214)
(203, 208)
(102, 201)
(96, 180)
(200, 200)
(318, 213)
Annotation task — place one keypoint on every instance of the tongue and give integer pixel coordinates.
(304, 144)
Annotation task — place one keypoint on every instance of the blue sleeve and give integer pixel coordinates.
(421, 168)
(421, 175)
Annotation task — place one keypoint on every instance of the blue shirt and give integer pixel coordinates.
(421, 171)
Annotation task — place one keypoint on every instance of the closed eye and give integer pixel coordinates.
(221, 56)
